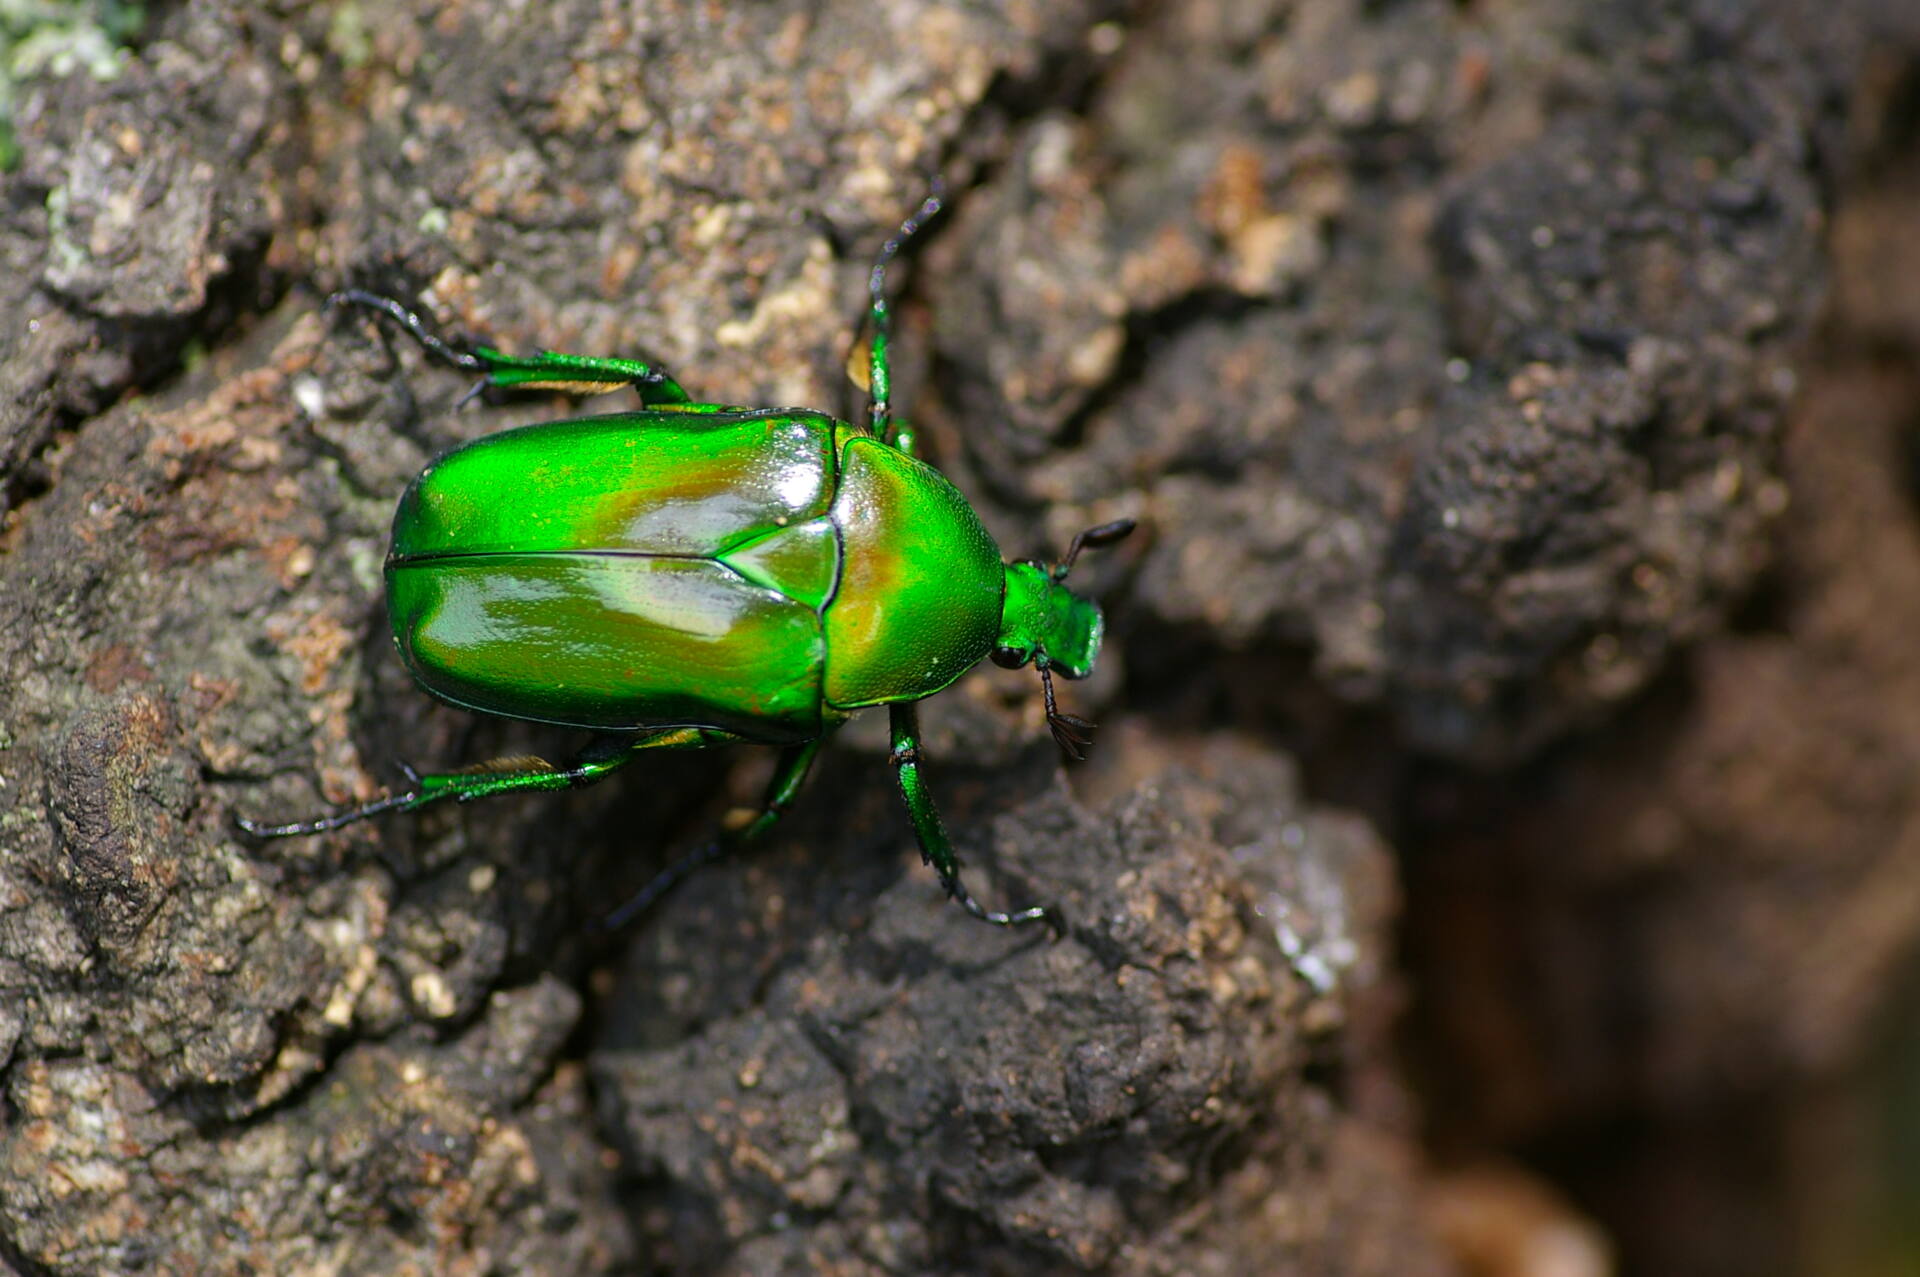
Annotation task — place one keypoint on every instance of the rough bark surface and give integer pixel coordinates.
(1721, 898)
(1443, 353)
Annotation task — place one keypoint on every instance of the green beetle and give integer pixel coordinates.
(695, 574)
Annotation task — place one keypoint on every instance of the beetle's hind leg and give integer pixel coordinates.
(935, 849)
(547, 370)
(604, 754)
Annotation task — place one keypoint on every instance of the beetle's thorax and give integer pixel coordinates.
(1041, 618)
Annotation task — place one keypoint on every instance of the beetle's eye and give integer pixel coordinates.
(1008, 658)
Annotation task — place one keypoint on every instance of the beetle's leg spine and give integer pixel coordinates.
(935, 848)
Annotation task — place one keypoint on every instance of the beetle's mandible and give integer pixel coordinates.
(695, 574)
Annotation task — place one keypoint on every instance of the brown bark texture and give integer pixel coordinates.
(1457, 360)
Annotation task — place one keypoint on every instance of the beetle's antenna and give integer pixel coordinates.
(1070, 732)
(1092, 538)
(879, 374)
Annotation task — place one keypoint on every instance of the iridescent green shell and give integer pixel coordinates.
(757, 572)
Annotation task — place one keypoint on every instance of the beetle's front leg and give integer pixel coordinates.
(906, 438)
(935, 849)
(879, 366)
(547, 370)
(602, 755)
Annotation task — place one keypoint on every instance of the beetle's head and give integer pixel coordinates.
(1045, 624)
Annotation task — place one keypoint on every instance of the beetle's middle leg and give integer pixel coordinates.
(547, 370)
(789, 774)
(935, 849)
(605, 753)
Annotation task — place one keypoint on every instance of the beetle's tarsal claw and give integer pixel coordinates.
(474, 391)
